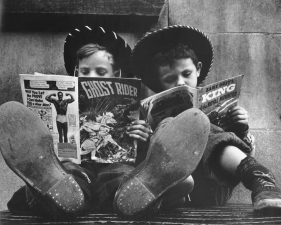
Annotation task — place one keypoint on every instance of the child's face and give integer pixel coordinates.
(98, 64)
(182, 72)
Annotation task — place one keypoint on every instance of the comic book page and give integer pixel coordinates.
(168, 104)
(107, 106)
(54, 99)
(215, 99)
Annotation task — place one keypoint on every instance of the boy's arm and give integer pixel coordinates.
(142, 146)
(238, 123)
(248, 138)
(140, 129)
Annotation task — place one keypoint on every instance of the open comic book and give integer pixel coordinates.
(214, 100)
(87, 117)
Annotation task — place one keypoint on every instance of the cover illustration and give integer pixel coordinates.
(107, 106)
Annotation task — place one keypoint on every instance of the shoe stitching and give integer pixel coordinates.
(89, 181)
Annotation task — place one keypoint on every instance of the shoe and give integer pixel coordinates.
(27, 147)
(173, 154)
(267, 197)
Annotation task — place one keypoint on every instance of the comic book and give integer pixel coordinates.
(214, 100)
(87, 117)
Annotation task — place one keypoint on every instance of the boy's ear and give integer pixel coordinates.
(199, 67)
(117, 73)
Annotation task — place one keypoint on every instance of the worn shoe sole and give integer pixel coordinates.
(170, 160)
(27, 147)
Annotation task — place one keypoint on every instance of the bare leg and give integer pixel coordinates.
(230, 158)
(65, 129)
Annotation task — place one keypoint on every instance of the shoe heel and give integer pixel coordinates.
(67, 195)
(127, 200)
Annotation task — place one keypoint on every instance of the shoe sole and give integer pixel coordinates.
(169, 162)
(27, 148)
(268, 206)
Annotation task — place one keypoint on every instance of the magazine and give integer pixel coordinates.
(214, 100)
(87, 117)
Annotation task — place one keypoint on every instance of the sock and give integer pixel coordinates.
(255, 176)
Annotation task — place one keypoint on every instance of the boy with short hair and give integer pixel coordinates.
(182, 55)
(63, 188)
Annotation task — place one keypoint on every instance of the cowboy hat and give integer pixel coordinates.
(155, 42)
(113, 43)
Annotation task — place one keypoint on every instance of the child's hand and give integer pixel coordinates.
(238, 119)
(139, 130)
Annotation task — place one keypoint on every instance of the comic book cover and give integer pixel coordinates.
(107, 106)
(55, 100)
(87, 117)
(168, 103)
(214, 100)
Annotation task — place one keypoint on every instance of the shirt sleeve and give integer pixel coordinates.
(249, 139)
(145, 103)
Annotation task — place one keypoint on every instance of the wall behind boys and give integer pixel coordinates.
(246, 39)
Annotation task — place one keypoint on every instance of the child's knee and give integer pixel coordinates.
(176, 195)
(187, 185)
(182, 189)
(233, 151)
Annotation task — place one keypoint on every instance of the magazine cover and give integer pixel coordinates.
(107, 106)
(55, 100)
(168, 103)
(214, 100)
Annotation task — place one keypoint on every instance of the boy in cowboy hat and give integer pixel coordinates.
(63, 188)
(182, 55)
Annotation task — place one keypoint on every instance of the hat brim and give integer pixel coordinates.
(79, 37)
(155, 42)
